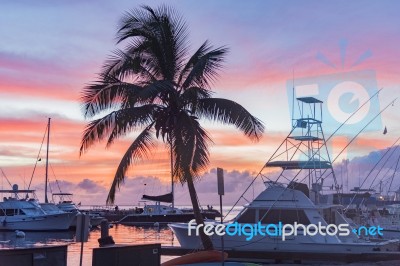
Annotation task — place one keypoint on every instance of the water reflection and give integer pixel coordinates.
(10, 239)
(121, 234)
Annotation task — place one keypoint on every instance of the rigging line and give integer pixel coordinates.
(8, 181)
(334, 132)
(38, 156)
(383, 165)
(58, 185)
(365, 179)
(359, 132)
(258, 174)
(387, 106)
(395, 169)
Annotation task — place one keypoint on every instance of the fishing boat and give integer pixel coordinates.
(24, 213)
(302, 156)
(281, 204)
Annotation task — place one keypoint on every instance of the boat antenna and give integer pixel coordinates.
(46, 200)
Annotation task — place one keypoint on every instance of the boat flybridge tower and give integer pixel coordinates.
(304, 151)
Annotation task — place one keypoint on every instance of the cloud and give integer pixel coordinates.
(369, 170)
(90, 186)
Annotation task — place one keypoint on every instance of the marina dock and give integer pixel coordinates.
(35, 256)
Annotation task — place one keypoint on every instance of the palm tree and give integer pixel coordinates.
(155, 87)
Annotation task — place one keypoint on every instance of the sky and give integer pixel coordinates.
(341, 52)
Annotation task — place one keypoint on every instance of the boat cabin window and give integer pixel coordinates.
(11, 212)
(284, 216)
(248, 216)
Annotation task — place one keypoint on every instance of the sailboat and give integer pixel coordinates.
(161, 214)
(26, 213)
(65, 204)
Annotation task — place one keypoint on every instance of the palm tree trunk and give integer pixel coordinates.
(207, 244)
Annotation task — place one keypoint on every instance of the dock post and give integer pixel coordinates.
(105, 238)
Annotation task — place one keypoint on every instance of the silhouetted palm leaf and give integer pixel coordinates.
(138, 150)
(230, 112)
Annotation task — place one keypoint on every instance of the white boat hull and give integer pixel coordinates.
(47, 222)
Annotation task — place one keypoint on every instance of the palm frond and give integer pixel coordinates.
(107, 94)
(129, 119)
(116, 123)
(139, 149)
(230, 112)
(136, 65)
(202, 68)
(163, 31)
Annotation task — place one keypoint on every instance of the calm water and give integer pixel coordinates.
(121, 234)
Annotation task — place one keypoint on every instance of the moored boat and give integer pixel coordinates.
(160, 213)
(279, 204)
(24, 213)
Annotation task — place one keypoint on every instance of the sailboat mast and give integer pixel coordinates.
(46, 200)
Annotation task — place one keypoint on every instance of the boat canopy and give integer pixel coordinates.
(163, 198)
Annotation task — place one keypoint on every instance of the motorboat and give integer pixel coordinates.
(25, 213)
(280, 204)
